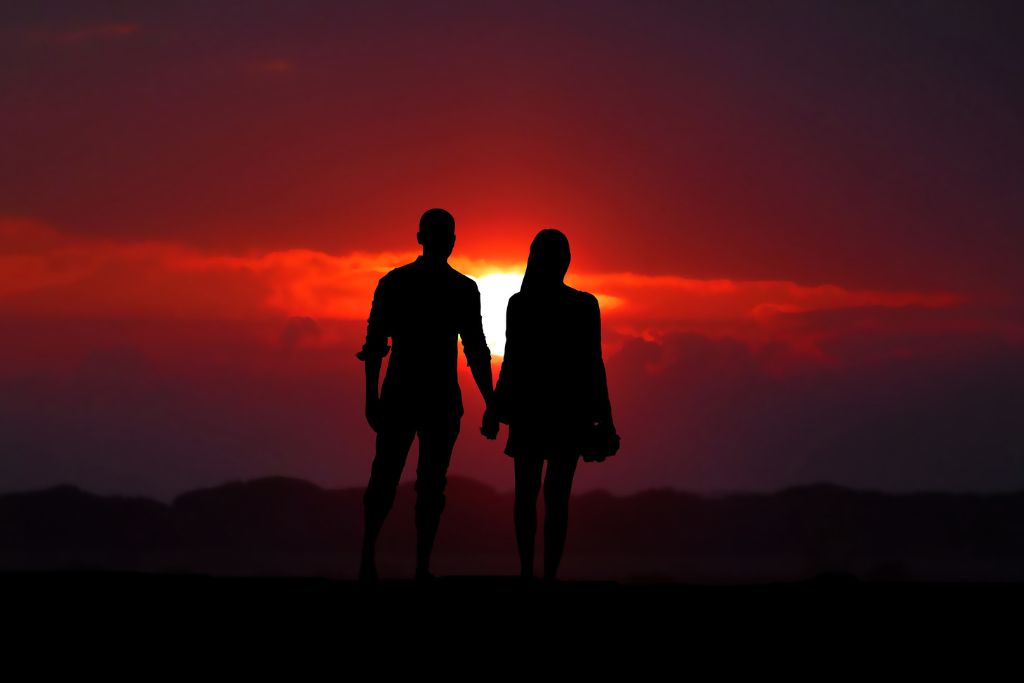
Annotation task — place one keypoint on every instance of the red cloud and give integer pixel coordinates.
(46, 272)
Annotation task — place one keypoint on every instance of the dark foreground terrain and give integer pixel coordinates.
(766, 580)
(287, 527)
(499, 601)
(495, 626)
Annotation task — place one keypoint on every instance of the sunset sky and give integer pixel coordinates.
(803, 221)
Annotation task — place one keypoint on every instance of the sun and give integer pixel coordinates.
(495, 291)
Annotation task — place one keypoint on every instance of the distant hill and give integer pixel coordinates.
(286, 526)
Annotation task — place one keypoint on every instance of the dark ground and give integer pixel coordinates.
(589, 610)
(482, 628)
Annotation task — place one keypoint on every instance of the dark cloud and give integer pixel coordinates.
(707, 414)
(159, 409)
(172, 406)
(85, 34)
(297, 329)
(272, 66)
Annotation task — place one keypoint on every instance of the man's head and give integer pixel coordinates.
(436, 234)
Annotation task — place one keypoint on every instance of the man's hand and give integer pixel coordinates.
(373, 412)
(490, 426)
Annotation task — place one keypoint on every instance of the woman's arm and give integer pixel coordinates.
(600, 408)
(504, 392)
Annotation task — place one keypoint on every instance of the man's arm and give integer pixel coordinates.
(478, 356)
(374, 350)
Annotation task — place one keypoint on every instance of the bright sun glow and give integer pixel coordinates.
(495, 290)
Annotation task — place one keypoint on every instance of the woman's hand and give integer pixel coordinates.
(602, 442)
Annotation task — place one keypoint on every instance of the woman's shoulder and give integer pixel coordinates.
(582, 298)
(566, 296)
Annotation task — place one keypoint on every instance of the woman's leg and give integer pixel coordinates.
(527, 488)
(557, 486)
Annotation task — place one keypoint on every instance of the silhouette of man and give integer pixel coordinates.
(423, 306)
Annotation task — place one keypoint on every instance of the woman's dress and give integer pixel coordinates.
(552, 385)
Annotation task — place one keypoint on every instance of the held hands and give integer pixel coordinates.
(373, 417)
(490, 425)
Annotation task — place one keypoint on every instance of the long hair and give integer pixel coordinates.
(548, 262)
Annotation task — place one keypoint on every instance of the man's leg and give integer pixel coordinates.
(393, 442)
(437, 440)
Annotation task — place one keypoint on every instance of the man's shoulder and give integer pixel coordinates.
(413, 275)
(404, 270)
(460, 277)
(462, 280)
(398, 274)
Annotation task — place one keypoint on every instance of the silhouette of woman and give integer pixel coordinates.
(553, 394)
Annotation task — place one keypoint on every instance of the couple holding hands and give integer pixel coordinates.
(551, 392)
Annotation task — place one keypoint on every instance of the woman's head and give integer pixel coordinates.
(548, 262)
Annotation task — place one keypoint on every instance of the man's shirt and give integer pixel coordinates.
(424, 307)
